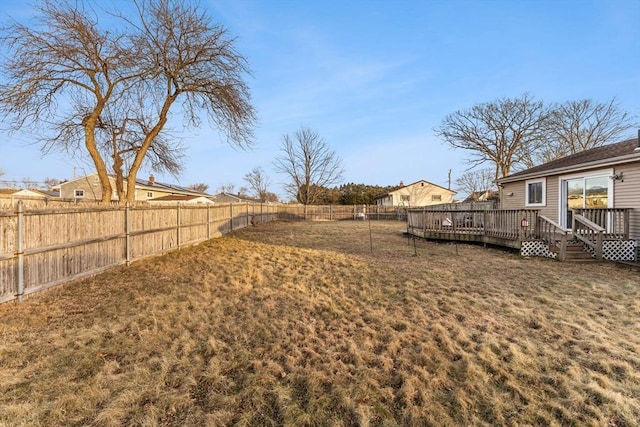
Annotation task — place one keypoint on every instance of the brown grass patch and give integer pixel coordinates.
(300, 324)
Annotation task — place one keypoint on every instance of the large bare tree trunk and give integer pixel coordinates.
(101, 168)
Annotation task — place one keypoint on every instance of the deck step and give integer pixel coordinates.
(578, 256)
(575, 251)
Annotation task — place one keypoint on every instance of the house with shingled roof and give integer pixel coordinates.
(88, 188)
(420, 193)
(600, 187)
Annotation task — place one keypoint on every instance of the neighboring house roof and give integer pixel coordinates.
(80, 178)
(23, 192)
(621, 152)
(482, 196)
(151, 184)
(410, 185)
(182, 198)
(228, 197)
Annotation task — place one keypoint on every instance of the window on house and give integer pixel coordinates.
(404, 197)
(535, 192)
(436, 197)
(78, 194)
(149, 195)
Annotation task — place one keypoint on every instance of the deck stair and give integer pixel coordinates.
(575, 251)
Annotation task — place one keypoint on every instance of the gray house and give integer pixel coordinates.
(600, 186)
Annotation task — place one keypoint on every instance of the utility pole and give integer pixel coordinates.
(449, 180)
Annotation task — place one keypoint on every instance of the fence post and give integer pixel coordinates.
(247, 214)
(231, 216)
(208, 222)
(127, 233)
(20, 250)
(178, 224)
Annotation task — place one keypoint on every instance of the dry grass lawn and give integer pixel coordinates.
(299, 324)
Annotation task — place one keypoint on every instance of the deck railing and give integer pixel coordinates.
(512, 227)
(553, 235)
(514, 224)
(614, 221)
(588, 232)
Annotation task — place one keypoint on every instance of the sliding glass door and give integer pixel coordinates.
(583, 192)
(574, 198)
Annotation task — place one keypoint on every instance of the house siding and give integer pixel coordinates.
(90, 184)
(552, 210)
(517, 201)
(141, 194)
(627, 195)
(420, 193)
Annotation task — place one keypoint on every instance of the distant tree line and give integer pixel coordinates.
(353, 194)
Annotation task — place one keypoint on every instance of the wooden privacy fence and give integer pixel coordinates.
(341, 212)
(40, 248)
(44, 248)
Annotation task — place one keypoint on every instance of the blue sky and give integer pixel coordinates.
(375, 77)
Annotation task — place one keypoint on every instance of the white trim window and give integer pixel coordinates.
(78, 194)
(535, 192)
(149, 195)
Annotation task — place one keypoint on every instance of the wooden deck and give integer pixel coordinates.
(510, 228)
(507, 228)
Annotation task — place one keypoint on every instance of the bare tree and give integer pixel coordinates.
(475, 181)
(310, 164)
(200, 187)
(122, 130)
(576, 126)
(258, 184)
(60, 75)
(270, 197)
(227, 188)
(49, 183)
(187, 57)
(29, 184)
(501, 132)
(114, 89)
